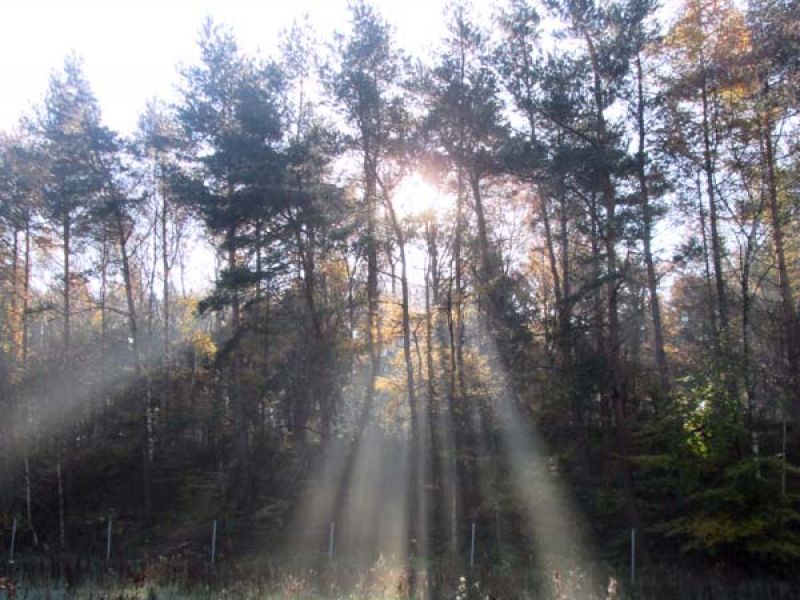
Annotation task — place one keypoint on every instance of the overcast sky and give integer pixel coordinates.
(131, 49)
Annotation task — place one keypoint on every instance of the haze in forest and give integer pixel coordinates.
(402, 301)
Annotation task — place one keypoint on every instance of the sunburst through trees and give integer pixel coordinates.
(443, 351)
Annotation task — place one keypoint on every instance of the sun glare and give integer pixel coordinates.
(415, 196)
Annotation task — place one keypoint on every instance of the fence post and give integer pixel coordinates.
(633, 556)
(13, 540)
(213, 543)
(472, 548)
(108, 539)
(331, 540)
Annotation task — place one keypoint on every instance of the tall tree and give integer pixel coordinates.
(775, 45)
(603, 31)
(701, 46)
(71, 140)
(362, 80)
(650, 181)
(230, 114)
(466, 116)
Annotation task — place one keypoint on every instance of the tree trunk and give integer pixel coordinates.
(788, 310)
(429, 276)
(29, 494)
(122, 241)
(712, 313)
(417, 489)
(26, 284)
(716, 240)
(647, 235)
(66, 232)
(617, 388)
(373, 326)
(746, 344)
(241, 439)
(417, 503)
(67, 360)
(147, 449)
(552, 259)
(597, 308)
(15, 317)
(458, 339)
(435, 473)
(165, 267)
(62, 528)
(104, 320)
(29, 430)
(486, 271)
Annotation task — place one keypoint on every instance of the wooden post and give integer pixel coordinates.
(783, 452)
(472, 548)
(108, 539)
(633, 556)
(330, 541)
(213, 543)
(13, 540)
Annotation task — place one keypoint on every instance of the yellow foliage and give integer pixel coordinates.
(203, 344)
(388, 385)
(711, 32)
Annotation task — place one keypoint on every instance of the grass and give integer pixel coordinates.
(264, 580)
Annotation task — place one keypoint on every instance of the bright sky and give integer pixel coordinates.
(131, 49)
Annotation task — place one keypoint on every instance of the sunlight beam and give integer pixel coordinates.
(555, 526)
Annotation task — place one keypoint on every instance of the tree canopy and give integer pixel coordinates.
(361, 358)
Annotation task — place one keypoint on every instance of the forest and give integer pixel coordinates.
(518, 319)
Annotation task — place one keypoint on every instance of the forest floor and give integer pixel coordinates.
(385, 586)
(268, 578)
